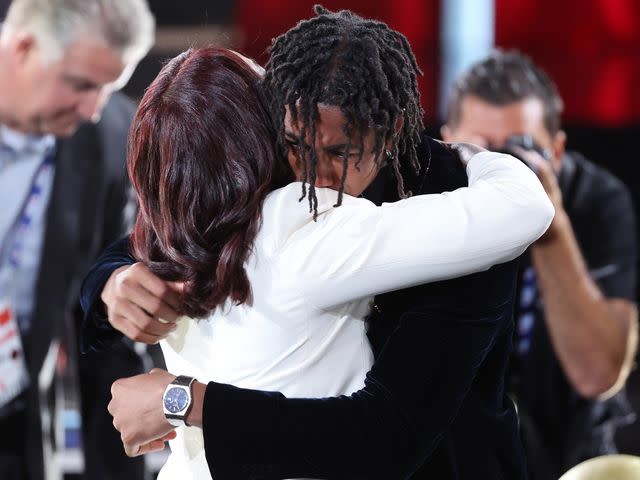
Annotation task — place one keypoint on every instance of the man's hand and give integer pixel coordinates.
(547, 176)
(140, 305)
(136, 407)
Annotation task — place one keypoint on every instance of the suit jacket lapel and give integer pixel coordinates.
(55, 291)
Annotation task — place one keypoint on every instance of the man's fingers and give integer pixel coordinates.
(131, 450)
(177, 287)
(130, 330)
(534, 160)
(141, 274)
(156, 445)
(173, 296)
(144, 322)
(152, 446)
(152, 305)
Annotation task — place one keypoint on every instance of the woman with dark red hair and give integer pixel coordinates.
(277, 293)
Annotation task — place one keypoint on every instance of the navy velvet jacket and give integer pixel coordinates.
(433, 406)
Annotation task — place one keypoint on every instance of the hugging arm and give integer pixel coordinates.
(434, 237)
(386, 430)
(359, 250)
(96, 331)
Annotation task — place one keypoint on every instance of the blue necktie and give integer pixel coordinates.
(527, 309)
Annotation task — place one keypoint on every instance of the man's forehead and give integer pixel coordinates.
(330, 121)
(528, 110)
(93, 61)
(521, 117)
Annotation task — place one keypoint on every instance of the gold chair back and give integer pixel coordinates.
(607, 467)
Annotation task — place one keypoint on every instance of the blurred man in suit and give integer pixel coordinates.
(63, 195)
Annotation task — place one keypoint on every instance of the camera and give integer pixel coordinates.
(526, 142)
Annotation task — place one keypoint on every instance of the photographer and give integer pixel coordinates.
(576, 320)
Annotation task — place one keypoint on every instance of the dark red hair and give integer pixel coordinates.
(202, 159)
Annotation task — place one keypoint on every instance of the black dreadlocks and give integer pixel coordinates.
(359, 65)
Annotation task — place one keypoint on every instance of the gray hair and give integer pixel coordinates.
(127, 26)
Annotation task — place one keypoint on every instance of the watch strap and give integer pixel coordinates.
(183, 380)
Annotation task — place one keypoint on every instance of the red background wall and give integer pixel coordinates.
(259, 21)
(591, 48)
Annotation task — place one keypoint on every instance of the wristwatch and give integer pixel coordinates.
(177, 400)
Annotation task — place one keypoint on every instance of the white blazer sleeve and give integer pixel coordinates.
(358, 249)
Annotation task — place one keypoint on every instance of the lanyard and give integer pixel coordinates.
(12, 249)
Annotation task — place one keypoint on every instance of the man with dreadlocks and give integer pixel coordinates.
(433, 405)
(362, 67)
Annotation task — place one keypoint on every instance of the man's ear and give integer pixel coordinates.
(558, 144)
(20, 46)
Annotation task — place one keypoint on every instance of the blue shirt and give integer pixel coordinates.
(26, 181)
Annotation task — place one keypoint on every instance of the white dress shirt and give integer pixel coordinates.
(303, 333)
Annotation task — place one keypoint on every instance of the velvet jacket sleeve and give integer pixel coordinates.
(96, 331)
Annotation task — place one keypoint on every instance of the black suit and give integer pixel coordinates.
(84, 215)
(434, 397)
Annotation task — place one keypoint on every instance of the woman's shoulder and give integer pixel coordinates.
(287, 211)
(294, 200)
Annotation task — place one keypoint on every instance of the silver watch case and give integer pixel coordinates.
(176, 414)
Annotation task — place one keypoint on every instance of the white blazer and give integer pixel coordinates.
(303, 334)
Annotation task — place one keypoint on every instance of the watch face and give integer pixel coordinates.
(176, 399)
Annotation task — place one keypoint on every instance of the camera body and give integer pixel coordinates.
(526, 142)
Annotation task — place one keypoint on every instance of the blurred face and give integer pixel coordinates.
(330, 144)
(55, 97)
(490, 126)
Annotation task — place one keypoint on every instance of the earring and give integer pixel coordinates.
(389, 156)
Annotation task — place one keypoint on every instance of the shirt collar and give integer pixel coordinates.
(19, 142)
